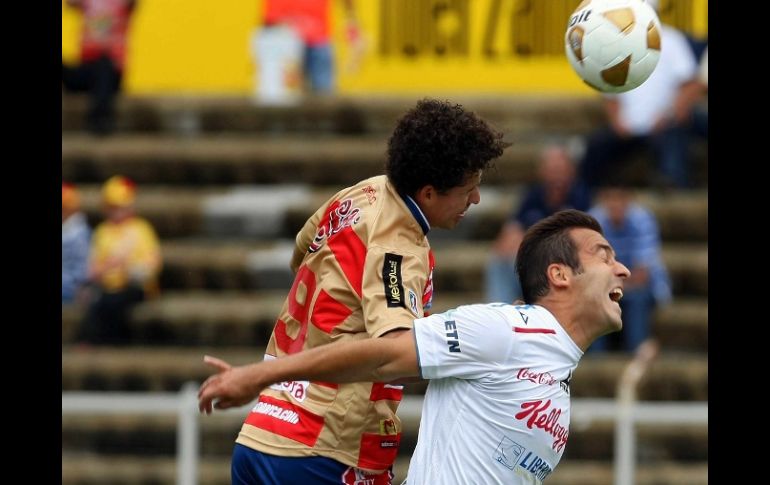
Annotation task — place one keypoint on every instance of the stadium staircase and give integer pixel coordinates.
(227, 184)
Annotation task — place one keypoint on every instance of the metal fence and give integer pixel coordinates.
(625, 413)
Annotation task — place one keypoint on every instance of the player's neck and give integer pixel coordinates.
(564, 312)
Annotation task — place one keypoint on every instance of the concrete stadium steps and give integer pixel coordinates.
(123, 470)
(156, 436)
(147, 369)
(673, 376)
(571, 472)
(206, 264)
(250, 159)
(235, 318)
(291, 158)
(655, 443)
(100, 469)
(522, 116)
(268, 211)
(683, 325)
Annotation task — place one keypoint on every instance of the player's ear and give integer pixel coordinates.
(425, 195)
(557, 275)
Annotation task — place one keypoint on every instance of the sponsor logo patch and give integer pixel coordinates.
(540, 414)
(535, 377)
(391, 278)
(338, 216)
(536, 466)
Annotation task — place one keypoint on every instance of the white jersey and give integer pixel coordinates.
(497, 408)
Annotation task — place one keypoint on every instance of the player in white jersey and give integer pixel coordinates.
(497, 407)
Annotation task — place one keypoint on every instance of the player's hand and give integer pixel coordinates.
(229, 387)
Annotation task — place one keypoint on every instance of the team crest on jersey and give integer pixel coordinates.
(371, 194)
(388, 427)
(508, 453)
(338, 216)
(513, 455)
(413, 303)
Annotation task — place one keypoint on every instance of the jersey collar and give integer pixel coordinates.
(417, 213)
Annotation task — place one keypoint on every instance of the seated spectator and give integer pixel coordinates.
(656, 115)
(75, 241)
(557, 189)
(123, 269)
(632, 230)
(701, 115)
(102, 58)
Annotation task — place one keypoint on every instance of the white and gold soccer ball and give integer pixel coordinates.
(613, 45)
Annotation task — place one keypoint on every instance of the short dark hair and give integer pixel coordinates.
(440, 144)
(547, 242)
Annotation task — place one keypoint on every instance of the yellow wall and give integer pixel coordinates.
(202, 46)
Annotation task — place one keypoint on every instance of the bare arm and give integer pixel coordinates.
(612, 109)
(689, 94)
(369, 360)
(509, 239)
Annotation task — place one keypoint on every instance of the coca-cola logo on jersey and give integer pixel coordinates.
(536, 377)
(540, 414)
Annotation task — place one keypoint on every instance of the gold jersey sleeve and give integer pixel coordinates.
(365, 271)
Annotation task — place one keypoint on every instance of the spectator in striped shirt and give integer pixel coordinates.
(633, 231)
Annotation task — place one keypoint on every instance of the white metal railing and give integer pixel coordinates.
(185, 405)
(625, 433)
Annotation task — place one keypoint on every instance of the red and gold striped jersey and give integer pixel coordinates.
(363, 267)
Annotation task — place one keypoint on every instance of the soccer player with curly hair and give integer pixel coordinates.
(364, 270)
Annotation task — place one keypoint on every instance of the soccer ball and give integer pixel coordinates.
(613, 45)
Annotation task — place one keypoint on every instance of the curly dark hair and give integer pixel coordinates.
(440, 144)
(548, 241)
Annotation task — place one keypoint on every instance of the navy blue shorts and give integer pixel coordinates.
(252, 467)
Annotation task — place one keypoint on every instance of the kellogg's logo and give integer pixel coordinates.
(537, 415)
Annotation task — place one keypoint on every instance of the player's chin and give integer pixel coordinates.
(457, 219)
(449, 223)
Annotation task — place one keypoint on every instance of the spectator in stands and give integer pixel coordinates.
(102, 58)
(75, 241)
(556, 189)
(701, 115)
(364, 270)
(633, 231)
(123, 267)
(310, 22)
(497, 407)
(657, 115)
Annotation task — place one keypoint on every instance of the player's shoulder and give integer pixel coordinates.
(492, 314)
(532, 316)
(363, 199)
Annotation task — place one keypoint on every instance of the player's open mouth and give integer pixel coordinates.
(616, 294)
